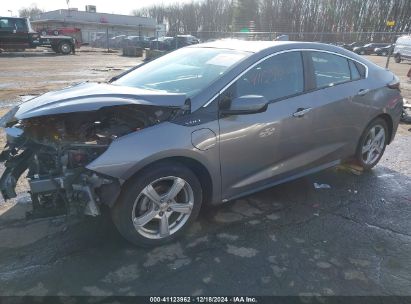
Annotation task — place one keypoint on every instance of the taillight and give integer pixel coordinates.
(394, 83)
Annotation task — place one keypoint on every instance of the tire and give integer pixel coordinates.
(140, 219)
(384, 53)
(65, 47)
(369, 150)
(362, 53)
(397, 58)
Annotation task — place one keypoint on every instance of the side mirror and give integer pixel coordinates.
(247, 104)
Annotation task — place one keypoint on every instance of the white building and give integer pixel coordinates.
(93, 24)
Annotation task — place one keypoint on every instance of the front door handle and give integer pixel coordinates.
(301, 111)
(362, 92)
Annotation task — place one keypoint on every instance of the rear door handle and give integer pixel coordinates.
(362, 92)
(301, 111)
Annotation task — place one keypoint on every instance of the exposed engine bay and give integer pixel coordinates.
(54, 150)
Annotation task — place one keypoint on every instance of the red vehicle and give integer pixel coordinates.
(65, 31)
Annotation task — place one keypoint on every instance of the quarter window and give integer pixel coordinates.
(330, 69)
(277, 77)
(361, 69)
(355, 75)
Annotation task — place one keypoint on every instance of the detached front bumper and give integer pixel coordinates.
(15, 167)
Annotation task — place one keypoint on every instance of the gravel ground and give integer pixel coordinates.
(293, 239)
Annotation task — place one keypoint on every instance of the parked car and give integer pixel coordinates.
(352, 45)
(101, 41)
(402, 50)
(184, 40)
(204, 124)
(139, 41)
(163, 43)
(384, 51)
(172, 43)
(116, 41)
(369, 48)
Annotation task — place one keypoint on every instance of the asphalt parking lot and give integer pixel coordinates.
(351, 239)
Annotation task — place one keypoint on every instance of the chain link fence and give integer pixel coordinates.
(326, 37)
(172, 40)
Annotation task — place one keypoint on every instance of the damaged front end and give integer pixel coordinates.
(54, 150)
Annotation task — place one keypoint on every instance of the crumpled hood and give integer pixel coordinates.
(94, 96)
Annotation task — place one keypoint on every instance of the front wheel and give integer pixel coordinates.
(158, 205)
(372, 144)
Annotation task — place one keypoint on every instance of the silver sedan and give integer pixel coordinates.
(204, 124)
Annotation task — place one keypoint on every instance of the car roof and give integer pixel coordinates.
(243, 45)
(264, 48)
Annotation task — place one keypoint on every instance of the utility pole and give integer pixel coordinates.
(107, 40)
(393, 24)
(68, 8)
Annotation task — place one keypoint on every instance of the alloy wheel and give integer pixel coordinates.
(373, 145)
(163, 207)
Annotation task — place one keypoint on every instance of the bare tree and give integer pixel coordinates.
(325, 20)
(30, 11)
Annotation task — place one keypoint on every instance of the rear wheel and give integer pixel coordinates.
(362, 52)
(397, 58)
(158, 205)
(372, 144)
(384, 53)
(65, 47)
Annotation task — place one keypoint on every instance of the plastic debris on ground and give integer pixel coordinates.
(321, 186)
(354, 169)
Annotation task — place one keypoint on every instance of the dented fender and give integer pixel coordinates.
(162, 141)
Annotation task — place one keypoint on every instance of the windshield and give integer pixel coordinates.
(188, 70)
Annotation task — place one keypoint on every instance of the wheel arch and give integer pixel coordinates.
(194, 165)
(390, 124)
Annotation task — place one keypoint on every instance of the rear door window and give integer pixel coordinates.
(329, 69)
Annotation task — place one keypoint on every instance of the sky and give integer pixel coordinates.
(103, 6)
